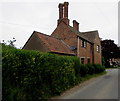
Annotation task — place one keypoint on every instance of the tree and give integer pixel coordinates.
(10, 42)
(109, 51)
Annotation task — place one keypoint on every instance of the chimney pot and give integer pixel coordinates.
(60, 5)
(66, 9)
(63, 13)
(75, 25)
(60, 10)
(66, 3)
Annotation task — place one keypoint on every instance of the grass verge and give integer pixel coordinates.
(82, 80)
(113, 67)
(87, 77)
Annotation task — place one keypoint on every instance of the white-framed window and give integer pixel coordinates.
(83, 43)
(88, 60)
(82, 60)
(98, 48)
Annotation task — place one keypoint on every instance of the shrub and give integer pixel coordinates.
(32, 75)
(35, 75)
(83, 70)
(98, 68)
(76, 66)
(91, 68)
(103, 61)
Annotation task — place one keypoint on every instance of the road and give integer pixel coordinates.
(104, 87)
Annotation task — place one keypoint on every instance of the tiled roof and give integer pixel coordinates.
(88, 36)
(54, 45)
(78, 33)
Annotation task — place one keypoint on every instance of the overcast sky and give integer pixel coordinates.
(19, 19)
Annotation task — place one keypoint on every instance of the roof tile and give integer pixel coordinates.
(54, 45)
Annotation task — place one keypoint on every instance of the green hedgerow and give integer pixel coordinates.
(33, 75)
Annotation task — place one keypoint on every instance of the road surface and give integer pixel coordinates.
(103, 87)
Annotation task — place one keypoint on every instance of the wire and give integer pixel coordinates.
(3, 22)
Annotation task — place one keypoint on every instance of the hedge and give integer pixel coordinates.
(32, 75)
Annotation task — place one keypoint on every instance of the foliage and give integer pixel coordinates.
(32, 75)
(109, 50)
(91, 68)
(98, 68)
(10, 42)
(83, 70)
(103, 61)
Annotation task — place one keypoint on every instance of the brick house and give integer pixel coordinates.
(68, 40)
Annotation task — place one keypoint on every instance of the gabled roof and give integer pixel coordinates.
(54, 45)
(79, 34)
(90, 35)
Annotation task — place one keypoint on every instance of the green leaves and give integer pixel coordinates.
(35, 75)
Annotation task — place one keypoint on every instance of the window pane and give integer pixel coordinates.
(82, 60)
(88, 60)
(83, 43)
(97, 48)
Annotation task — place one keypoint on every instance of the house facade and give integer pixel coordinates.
(68, 40)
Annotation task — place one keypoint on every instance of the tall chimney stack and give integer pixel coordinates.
(60, 10)
(66, 9)
(75, 25)
(63, 13)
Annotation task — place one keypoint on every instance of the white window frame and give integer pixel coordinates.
(82, 58)
(98, 48)
(88, 58)
(83, 43)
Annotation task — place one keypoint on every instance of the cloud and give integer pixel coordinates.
(19, 20)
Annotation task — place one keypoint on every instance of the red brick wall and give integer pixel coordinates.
(70, 38)
(85, 52)
(64, 33)
(97, 55)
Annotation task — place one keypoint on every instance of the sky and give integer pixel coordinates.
(19, 18)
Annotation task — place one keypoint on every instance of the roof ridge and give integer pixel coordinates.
(90, 31)
(80, 34)
(42, 33)
(47, 35)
